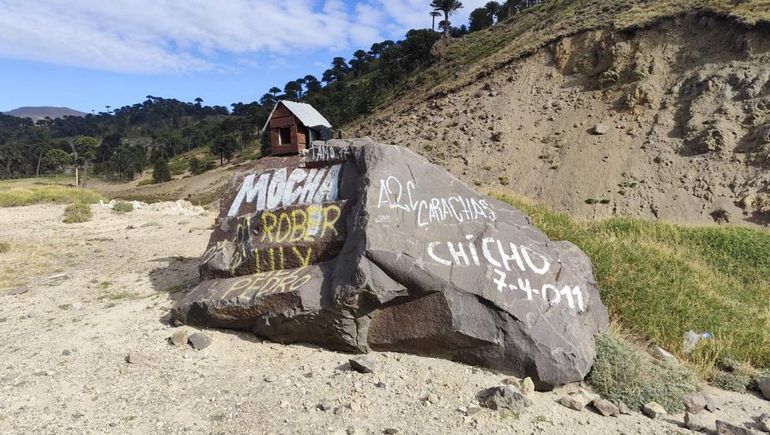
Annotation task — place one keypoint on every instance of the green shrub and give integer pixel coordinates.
(198, 166)
(622, 372)
(15, 197)
(160, 171)
(145, 182)
(76, 213)
(123, 207)
(4, 247)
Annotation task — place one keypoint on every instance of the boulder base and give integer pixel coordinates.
(369, 247)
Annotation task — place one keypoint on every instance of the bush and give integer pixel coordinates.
(76, 213)
(4, 247)
(160, 171)
(198, 166)
(16, 197)
(621, 372)
(123, 207)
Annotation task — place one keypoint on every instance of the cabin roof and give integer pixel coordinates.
(306, 114)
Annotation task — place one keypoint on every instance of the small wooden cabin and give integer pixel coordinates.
(294, 126)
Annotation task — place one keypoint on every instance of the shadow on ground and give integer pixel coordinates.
(176, 278)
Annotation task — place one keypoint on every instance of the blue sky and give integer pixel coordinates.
(87, 54)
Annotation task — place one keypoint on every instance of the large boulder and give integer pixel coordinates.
(360, 246)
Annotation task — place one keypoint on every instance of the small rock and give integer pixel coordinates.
(764, 422)
(18, 291)
(623, 408)
(663, 354)
(711, 406)
(576, 401)
(504, 396)
(527, 386)
(605, 407)
(653, 410)
(763, 384)
(472, 410)
(725, 428)
(179, 338)
(694, 402)
(362, 364)
(135, 358)
(600, 129)
(697, 422)
(200, 341)
(516, 382)
(432, 398)
(66, 352)
(324, 406)
(380, 384)
(390, 431)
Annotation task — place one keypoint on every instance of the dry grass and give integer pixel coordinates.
(77, 213)
(19, 196)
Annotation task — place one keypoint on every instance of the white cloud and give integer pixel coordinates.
(171, 36)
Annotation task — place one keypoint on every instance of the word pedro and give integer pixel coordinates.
(431, 210)
(278, 188)
(279, 281)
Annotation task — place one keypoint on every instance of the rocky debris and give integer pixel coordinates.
(199, 341)
(694, 402)
(17, 291)
(605, 407)
(653, 410)
(135, 358)
(698, 421)
(576, 401)
(503, 397)
(380, 250)
(362, 364)
(763, 384)
(324, 406)
(725, 428)
(179, 338)
(623, 408)
(177, 208)
(600, 129)
(764, 422)
(527, 386)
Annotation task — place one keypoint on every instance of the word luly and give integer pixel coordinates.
(456, 207)
(319, 153)
(489, 251)
(273, 189)
(299, 225)
(279, 281)
(282, 257)
(572, 295)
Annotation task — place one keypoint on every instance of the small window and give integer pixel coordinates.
(284, 136)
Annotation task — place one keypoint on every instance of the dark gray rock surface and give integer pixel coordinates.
(385, 251)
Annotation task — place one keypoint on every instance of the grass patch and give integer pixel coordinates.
(660, 280)
(4, 247)
(19, 196)
(123, 207)
(623, 372)
(77, 213)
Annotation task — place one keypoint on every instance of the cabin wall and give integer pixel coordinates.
(283, 118)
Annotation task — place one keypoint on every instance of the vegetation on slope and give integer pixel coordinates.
(480, 52)
(18, 196)
(661, 280)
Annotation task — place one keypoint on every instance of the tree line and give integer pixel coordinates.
(120, 143)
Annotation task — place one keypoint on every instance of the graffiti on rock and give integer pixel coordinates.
(324, 153)
(279, 281)
(457, 208)
(281, 188)
(503, 258)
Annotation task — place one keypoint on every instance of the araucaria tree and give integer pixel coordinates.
(448, 7)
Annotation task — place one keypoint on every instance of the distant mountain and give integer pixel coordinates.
(41, 112)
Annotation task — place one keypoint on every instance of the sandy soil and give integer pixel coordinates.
(100, 290)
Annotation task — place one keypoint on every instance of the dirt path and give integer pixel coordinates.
(100, 290)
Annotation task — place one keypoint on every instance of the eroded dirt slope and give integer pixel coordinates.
(685, 105)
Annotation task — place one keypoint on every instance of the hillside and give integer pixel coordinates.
(680, 94)
(41, 112)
